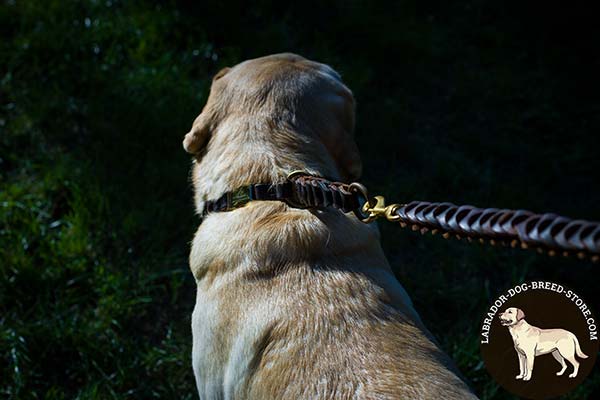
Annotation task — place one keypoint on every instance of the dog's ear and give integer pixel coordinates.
(195, 140)
(221, 74)
(340, 138)
(520, 314)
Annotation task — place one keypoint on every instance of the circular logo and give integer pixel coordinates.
(539, 340)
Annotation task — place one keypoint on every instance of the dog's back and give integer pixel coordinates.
(306, 307)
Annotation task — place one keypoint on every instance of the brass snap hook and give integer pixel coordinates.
(373, 208)
(381, 210)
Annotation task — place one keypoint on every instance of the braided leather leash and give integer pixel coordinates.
(550, 232)
(516, 228)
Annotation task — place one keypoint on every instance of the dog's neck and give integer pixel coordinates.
(520, 326)
(248, 151)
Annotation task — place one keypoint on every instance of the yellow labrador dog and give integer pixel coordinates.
(293, 303)
(531, 341)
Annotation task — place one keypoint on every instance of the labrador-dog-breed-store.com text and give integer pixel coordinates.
(296, 303)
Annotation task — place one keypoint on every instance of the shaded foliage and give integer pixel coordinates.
(489, 103)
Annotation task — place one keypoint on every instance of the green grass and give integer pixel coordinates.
(490, 104)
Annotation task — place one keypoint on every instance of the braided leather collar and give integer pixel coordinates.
(300, 191)
(549, 232)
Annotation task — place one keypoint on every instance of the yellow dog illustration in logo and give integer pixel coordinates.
(531, 341)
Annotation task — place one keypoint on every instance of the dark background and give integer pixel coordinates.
(491, 103)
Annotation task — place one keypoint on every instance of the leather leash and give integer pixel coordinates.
(548, 232)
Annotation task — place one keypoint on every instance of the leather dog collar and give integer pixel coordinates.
(299, 191)
(550, 232)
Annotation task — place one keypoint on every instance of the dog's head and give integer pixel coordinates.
(511, 316)
(305, 100)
